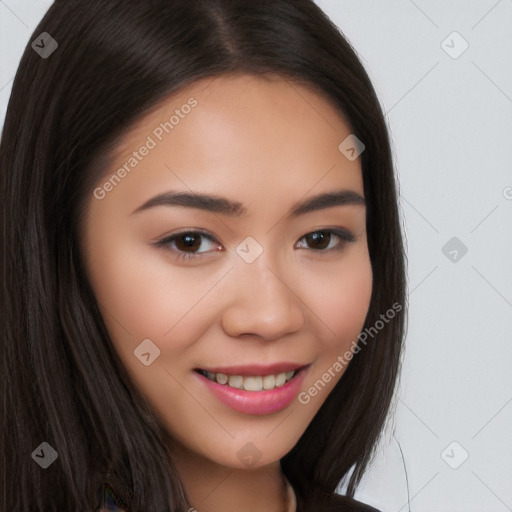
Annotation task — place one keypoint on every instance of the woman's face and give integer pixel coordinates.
(272, 283)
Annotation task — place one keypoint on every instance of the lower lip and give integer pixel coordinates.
(256, 402)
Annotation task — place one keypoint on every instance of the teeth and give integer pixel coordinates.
(236, 381)
(251, 383)
(269, 382)
(280, 379)
(221, 378)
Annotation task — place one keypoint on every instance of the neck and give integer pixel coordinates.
(213, 488)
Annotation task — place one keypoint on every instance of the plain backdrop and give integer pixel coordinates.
(443, 74)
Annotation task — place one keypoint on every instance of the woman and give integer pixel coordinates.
(140, 372)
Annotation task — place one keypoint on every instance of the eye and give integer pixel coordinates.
(187, 243)
(322, 239)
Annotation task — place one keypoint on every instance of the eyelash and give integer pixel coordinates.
(345, 236)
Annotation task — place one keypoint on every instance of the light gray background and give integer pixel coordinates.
(451, 125)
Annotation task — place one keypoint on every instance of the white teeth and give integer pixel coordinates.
(236, 381)
(221, 378)
(269, 382)
(280, 379)
(252, 383)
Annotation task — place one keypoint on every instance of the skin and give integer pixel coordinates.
(267, 143)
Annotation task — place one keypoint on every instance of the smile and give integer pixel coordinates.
(252, 382)
(251, 393)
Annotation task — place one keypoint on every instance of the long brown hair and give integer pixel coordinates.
(62, 381)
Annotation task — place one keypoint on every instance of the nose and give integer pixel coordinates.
(263, 302)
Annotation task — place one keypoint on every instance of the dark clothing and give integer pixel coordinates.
(330, 503)
(336, 503)
(108, 502)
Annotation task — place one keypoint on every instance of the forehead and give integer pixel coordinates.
(242, 133)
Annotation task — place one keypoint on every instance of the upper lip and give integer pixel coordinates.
(255, 369)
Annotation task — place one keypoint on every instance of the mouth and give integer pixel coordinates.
(250, 382)
(254, 389)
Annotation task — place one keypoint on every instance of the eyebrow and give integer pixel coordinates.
(234, 208)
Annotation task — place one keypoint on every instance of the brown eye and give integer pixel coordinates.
(318, 239)
(321, 241)
(187, 244)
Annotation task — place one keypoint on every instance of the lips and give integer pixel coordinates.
(254, 389)
(252, 377)
(251, 382)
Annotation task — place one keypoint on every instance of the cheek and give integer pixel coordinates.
(341, 310)
(342, 299)
(140, 297)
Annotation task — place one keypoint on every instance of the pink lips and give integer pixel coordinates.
(256, 402)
